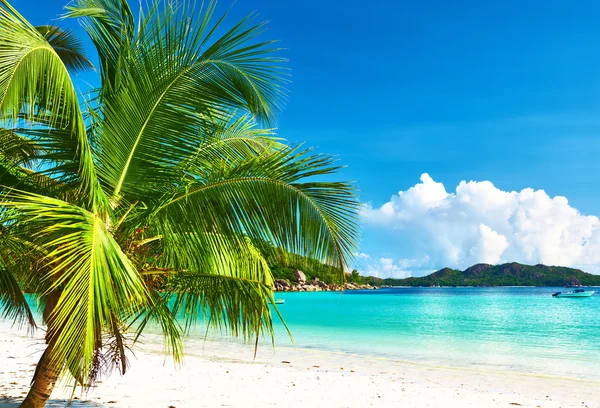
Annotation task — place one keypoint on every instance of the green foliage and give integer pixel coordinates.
(167, 182)
(511, 274)
(283, 272)
(355, 277)
(284, 269)
(374, 281)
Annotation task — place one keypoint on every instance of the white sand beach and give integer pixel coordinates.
(225, 374)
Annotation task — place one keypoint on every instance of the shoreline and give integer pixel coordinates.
(315, 285)
(226, 374)
(483, 287)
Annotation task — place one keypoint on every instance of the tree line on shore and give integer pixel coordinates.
(508, 274)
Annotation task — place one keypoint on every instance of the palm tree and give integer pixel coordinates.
(154, 194)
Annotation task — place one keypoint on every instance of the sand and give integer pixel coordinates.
(224, 374)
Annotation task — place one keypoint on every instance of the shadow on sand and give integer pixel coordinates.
(14, 403)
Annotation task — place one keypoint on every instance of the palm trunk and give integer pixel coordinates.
(46, 374)
(44, 379)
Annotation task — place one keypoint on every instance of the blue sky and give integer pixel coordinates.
(505, 92)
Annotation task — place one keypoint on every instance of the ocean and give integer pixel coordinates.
(518, 329)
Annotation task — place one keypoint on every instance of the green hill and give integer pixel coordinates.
(510, 274)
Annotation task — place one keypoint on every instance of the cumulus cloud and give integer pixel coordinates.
(480, 223)
(394, 268)
(387, 268)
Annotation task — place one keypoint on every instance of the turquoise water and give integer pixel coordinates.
(520, 329)
(517, 329)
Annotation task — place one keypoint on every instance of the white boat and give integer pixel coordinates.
(575, 293)
(279, 301)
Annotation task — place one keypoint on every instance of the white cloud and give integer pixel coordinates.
(386, 268)
(490, 245)
(361, 255)
(481, 223)
(391, 268)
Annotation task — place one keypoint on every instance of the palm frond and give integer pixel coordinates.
(35, 84)
(229, 139)
(110, 26)
(19, 149)
(232, 305)
(159, 312)
(14, 263)
(173, 76)
(67, 47)
(264, 198)
(98, 284)
(173, 260)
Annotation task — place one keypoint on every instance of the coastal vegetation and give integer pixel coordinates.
(283, 266)
(153, 186)
(509, 274)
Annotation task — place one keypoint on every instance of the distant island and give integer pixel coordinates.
(293, 272)
(509, 274)
(298, 273)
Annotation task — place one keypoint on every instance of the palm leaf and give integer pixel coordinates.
(14, 264)
(97, 282)
(110, 26)
(19, 149)
(35, 84)
(264, 199)
(67, 47)
(178, 259)
(229, 139)
(172, 79)
(229, 304)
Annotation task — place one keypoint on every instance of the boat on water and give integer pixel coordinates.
(578, 293)
(279, 301)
